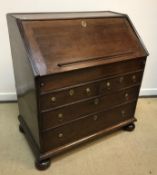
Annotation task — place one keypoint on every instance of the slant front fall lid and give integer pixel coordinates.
(59, 45)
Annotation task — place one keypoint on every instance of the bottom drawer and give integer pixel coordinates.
(87, 126)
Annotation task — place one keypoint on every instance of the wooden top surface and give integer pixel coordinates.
(63, 15)
(60, 45)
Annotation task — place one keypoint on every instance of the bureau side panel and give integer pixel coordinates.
(24, 80)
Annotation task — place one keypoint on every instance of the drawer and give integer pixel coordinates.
(87, 126)
(60, 116)
(61, 80)
(99, 87)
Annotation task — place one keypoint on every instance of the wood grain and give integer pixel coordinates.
(77, 77)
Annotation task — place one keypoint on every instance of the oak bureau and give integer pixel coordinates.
(77, 75)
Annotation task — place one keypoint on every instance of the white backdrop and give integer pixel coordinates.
(143, 14)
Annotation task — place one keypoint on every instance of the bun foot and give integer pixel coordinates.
(21, 129)
(42, 164)
(129, 127)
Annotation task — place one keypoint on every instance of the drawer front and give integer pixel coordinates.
(99, 87)
(65, 114)
(87, 126)
(56, 81)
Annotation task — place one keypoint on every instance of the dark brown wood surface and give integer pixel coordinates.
(63, 15)
(70, 112)
(96, 88)
(86, 126)
(78, 77)
(61, 45)
(24, 80)
(57, 81)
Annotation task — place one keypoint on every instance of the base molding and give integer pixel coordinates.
(87, 139)
(29, 137)
(52, 153)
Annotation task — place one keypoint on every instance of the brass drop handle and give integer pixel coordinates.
(127, 96)
(60, 116)
(96, 101)
(134, 78)
(53, 99)
(95, 117)
(60, 135)
(71, 92)
(108, 84)
(88, 90)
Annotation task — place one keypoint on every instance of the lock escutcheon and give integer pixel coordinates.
(71, 92)
(84, 23)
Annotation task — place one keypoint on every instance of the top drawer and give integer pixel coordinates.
(56, 81)
(88, 90)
